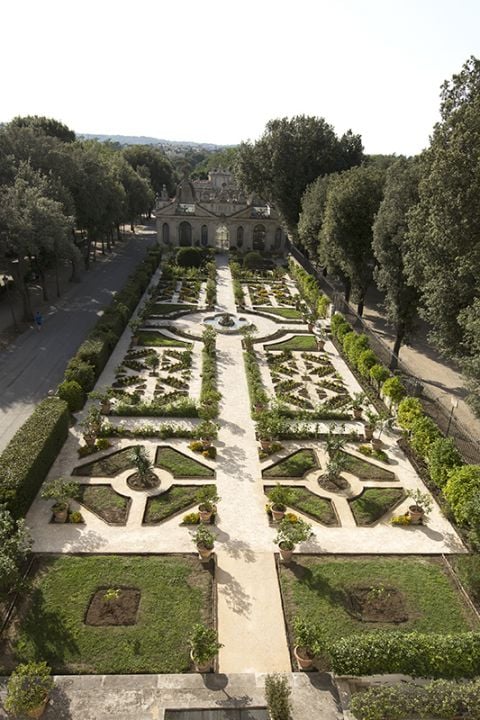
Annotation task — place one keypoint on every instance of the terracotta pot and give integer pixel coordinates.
(310, 327)
(206, 443)
(200, 668)
(265, 444)
(303, 657)
(368, 431)
(285, 554)
(277, 514)
(89, 440)
(376, 444)
(38, 711)
(357, 413)
(320, 344)
(60, 513)
(416, 514)
(205, 515)
(204, 553)
(106, 408)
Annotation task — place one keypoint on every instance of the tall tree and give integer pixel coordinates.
(160, 169)
(311, 218)
(389, 231)
(290, 155)
(443, 258)
(469, 320)
(47, 126)
(353, 199)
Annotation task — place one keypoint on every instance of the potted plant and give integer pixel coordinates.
(335, 441)
(357, 403)
(384, 421)
(103, 396)
(152, 361)
(92, 426)
(289, 535)
(422, 504)
(280, 496)
(204, 646)
(204, 539)
(305, 641)
(321, 337)
(309, 319)
(135, 326)
(60, 490)
(371, 423)
(207, 497)
(206, 431)
(28, 689)
(268, 425)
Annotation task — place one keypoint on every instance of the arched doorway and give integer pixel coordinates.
(222, 238)
(185, 234)
(204, 236)
(240, 237)
(259, 234)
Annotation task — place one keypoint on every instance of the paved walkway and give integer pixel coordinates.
(34, 363)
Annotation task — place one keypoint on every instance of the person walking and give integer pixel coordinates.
(38, 320)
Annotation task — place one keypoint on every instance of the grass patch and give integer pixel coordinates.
(315, 588)
(373, 503)
(167, 308)
(295, 465)
(108, 466)
(287, 313)
(174, 594)
(367, 471)
(180, 465)
(175, 499)
(155, 339)
(105, 502)
(320, 509)
(297, 342)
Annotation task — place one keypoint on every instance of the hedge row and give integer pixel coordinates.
(29, 455)
(439, 699)
(416, 654)
(91, 357)
(309, 289)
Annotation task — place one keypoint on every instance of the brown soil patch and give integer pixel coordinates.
(376, 604)
(118, 609)
(340, 485)
(135, 482)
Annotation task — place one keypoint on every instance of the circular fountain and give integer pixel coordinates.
(227, 322)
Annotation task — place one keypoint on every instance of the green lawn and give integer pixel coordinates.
(175, 499)
(318, 508)
(167, 308)
(108, 466)
(180, 465)
(296, 465)
(155, 339)
(105, 502)
(315, 588)
(373, 503)
(365, 470)
(297, 342)
(175, 594)
(287, 313)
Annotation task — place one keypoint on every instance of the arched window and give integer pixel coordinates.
(204, 239)
(240, 236)
(277, 244)
(185, 234)
(259, 234)
(166, 234)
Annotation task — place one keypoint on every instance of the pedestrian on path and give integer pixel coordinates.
(38, 320)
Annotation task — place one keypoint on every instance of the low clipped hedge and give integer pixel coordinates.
(26, 460)
(416, 654)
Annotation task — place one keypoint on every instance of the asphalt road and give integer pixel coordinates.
(36, 361)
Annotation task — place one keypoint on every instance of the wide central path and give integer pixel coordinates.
(250, 617)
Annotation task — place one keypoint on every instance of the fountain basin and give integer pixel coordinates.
(227, 323)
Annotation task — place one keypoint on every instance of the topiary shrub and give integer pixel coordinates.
(394, 390)
(322, 306)
(408, 412)
(95, 351)
(253, 261)
(461, 490)
(365, 361)
(424, 432)
(442, 458)
(342, 330)
(378, 373)
(357, 347)
(72, 393)
(26, 460)
(335, 322)
(82, 373)
(347, 341)
(188, 257)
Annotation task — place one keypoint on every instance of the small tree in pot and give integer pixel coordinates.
(357, 404)
(206, 431)
(152, 361)
(269, 425)
(207, 497)
(306, 642)
(384, 422)
(92, 426)
(280, 496)
(289, 535)
(422, 504)
(204, 539)
(28, 689)
(372, 421)
(60, 490)
(204, 646)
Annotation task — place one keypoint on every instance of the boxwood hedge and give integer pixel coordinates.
(29, 455)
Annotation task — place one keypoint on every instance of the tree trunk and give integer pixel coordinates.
(43, 284)
(57, 280)
(347, 289)
(103, 244)
(396, 348)
(119, 234)
(360, 305)
(23, 290)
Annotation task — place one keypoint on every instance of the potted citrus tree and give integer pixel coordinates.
(268, 425)
(207, 497)
(289, 535)
(306, 640)
(357, 404)
(91, 426)
(204, 539)
(206, 431)
(421, 505)
(321, 338)
(280, 496)
(371, 422)
(204, 646)
(384, 422)
(28, 689)
(60, 490)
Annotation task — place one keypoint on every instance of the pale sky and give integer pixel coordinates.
(217, 70)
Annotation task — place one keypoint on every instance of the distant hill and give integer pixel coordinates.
(175, 145)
